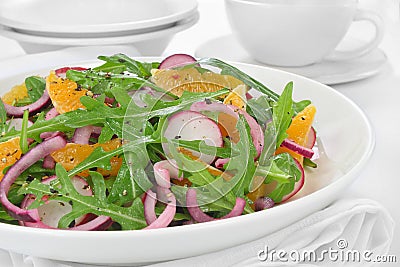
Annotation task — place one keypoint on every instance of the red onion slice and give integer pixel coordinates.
(311, 138)
(32, 156)
(149, 205)
(164, 171)
(33, 108)
(168, 214)
(301, 150)
(17, 124)
(199, 216)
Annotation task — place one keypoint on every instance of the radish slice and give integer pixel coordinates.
(176, 60)
(62, 71)
(32, 156)
(199, 216)
(51, 212)
(164, 171)
(190, 125)
(301, 150)
(298, 185)
(311, 138)
(168, 214)
(256, 132)
(33, 108)
(17, 124)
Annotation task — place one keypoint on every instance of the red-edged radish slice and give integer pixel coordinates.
(298, 185)
(190, 125)
(62, 71)
(256, 132)
(199, 216)
(311, 138)
(164, 171)
(301, 150)
(176, 60)
(16, 123)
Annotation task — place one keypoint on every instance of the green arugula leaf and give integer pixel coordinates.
(23, 141)
(141, 69)
(35, 86)
(283, 113)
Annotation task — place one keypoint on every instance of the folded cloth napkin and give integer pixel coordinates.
(349, 232)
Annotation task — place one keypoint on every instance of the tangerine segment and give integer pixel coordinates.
(10, 152)
(178, 81)
(16, 93)
(65, 94)
(298, 130)
(73, 154)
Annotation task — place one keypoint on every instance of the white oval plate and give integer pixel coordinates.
(343, 130)
(91, 16)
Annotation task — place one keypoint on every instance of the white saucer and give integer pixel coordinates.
(327, 72)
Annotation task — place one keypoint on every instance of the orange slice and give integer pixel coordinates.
(178, 81)
(10, 152)
(16, 93)
(298, 130)
(73, 154)
(65, 94)
(237, 97)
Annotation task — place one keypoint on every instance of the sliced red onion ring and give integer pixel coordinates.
(33, 108)
(255, 129)
(301, 150)
(82, 135)
(263, 203)
(199, 216)
(219, 163)
(32, 156)
(51, 114)
(167, 215)
(48, 162)
(164, 171)
(149, 205)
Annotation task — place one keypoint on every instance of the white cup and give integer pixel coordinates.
(298, 32)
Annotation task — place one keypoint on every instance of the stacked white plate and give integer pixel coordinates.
(43, 25)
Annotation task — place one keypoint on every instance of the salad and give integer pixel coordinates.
(131, 145)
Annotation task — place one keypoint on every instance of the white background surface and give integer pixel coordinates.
(378, 96)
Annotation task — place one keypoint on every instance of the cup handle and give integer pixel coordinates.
(376, 20)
